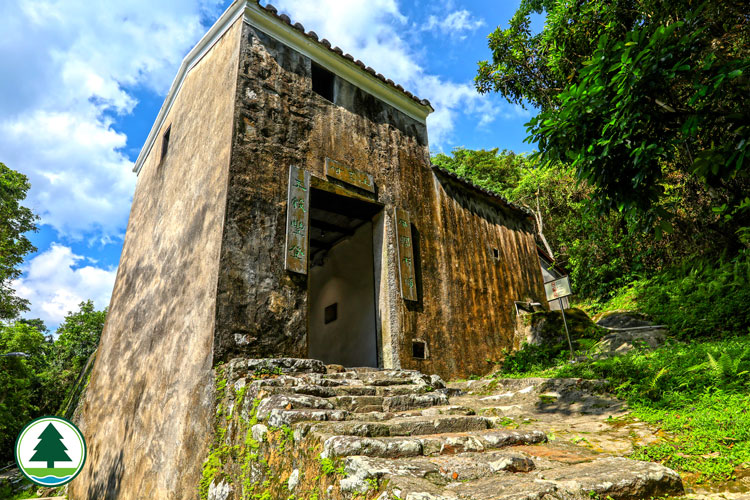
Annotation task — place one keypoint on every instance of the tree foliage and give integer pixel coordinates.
(20, 380)
(37, 385)
(78, 336)
(632, 91)
(15, 221)
(602, 251)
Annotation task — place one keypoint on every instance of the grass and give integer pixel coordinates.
(7, 494)
(697, 392)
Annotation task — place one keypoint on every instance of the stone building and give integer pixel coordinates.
(286, 206)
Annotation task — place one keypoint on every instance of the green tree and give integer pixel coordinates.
(15, 221)
(38, 385)
(50, 448)
(20, 382)
(78, 337)
(631, 92)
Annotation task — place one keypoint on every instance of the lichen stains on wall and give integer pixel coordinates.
(468, 293)
(147, 413)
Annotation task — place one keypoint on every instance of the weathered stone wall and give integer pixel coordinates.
(148, 412)
(465, 311)
(279, 121)
(468, 293)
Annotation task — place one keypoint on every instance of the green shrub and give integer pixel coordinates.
(701, 298)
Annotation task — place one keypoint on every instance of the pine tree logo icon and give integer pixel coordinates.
(50, 451)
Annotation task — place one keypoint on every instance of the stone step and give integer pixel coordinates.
(278, 417)
(619, 478)
(291, 402)
(508, 476)
(439, 470)
(433, 444)
(434, 411)
(238, 367)
(359, 404)
(419, 426)
(414, 401)
(387, 390)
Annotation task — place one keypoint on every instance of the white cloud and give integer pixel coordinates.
(67, 65)
(456, 24)
(55, 286)
(371, 30)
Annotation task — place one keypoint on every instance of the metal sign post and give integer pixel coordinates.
(558, 289)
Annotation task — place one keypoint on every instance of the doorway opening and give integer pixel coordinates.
(342, 326)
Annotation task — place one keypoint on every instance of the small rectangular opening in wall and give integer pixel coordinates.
(165, 143)
(331, 313)
(322, 82)
(419, 349)
(496, 254)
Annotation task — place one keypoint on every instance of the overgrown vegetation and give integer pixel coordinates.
(697, 392)
(43, 382)
(699, 298)
(630, 92)
(697, 387)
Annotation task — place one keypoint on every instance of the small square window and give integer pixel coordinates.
(165, 143)
(496, 253)
(331, 313)
(419, 349)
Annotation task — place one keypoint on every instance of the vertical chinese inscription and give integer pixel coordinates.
(405, 253)
(297, 219)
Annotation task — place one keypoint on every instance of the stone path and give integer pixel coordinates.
(404, 435)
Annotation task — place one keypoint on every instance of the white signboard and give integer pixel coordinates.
(557, 289)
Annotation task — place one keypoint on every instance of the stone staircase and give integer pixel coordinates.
(398, 434)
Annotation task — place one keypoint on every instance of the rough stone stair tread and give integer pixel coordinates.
(468, 478)
(418, 425)
(616, 477)
(278, 417)
(430, 444)
(459, 467)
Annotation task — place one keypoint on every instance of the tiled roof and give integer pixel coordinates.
(313, 36)
(470, 185)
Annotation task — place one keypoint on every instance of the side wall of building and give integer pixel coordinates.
(465, 307)
(148, 412)
(485, 257)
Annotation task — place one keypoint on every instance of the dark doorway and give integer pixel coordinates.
(341, 274)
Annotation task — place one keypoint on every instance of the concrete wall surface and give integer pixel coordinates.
(147, 416)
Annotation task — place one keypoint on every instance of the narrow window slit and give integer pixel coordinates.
(331, 313)
(165, 143)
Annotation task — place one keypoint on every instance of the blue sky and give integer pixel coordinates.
(83, 82)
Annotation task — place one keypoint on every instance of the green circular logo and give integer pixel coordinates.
(50, 451)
